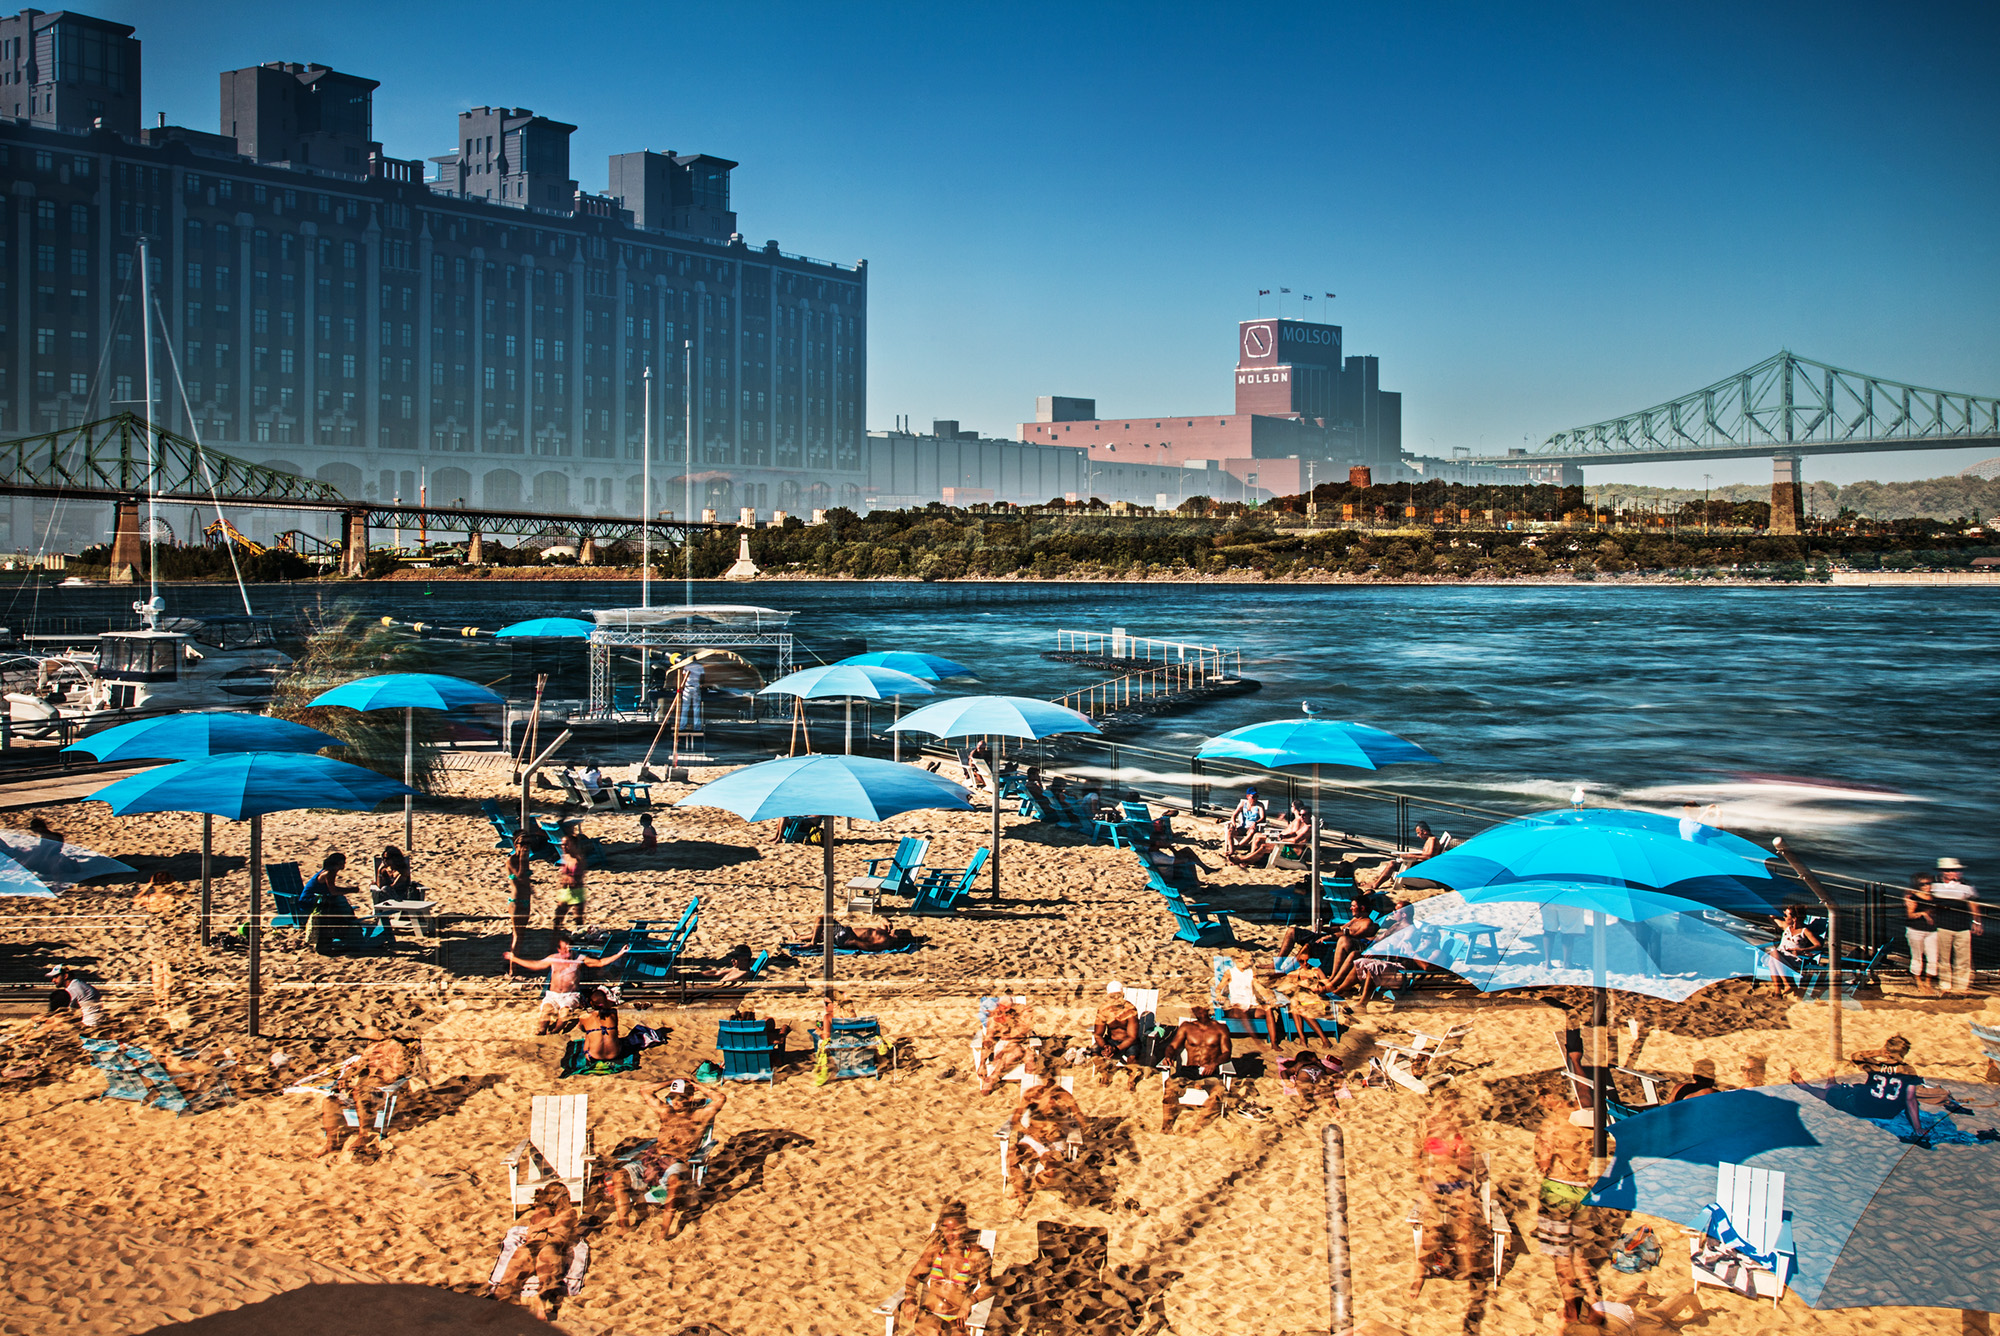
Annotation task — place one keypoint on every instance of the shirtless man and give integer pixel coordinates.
(551, 1232)
(561, 1000)
(685, 1115)
(952, 1274)
(1116, 1034)
(858, 939)
(1562, 1157)
(1046, 1118)
(363, 1077)
(1198, 1048)
(1005, 1043)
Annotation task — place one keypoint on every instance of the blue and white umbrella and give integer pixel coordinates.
(409, 692)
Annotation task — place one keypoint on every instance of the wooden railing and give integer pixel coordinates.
(1115, 644)
(1119, 693)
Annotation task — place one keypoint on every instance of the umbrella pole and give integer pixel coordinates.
(256, 919)
(409, 781)
(207, 883)
(1832, 946)
(826, 921)
(895, 738)
(1600, 1068)
(1313, 891)
(995, 770)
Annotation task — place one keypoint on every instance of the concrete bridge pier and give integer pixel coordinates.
(127, 551)
(586, 551)
(475, 549)
(1787, 493)
(354, 544)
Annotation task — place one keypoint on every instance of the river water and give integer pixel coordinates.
(1862, 724)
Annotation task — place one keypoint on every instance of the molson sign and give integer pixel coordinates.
(1269, 342)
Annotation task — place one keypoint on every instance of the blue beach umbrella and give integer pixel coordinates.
(33, 866)
(1649, 942)
(1877, 1220)
(1655, 823)
(930, 667)
(848, 682)
(1281, 744)
(183, 737)
(994, 717)
(860, 787)
(1617, 855)
(408, 692)
(548, 628)
(252, 785)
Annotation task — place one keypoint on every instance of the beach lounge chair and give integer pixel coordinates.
(851, 1050)
(654, 948)
(977, 1320)
(282, 880)
(557, 1149)
(626, 1161)
(746, 1048)
(505, 827)
(1857, 970)
(800, 830)
(940, 891)
(1746, 1246)
(572, 787)
(1246, 1028)
(1072, 1147)
(1409, 1065)
(887, 875)
(1125, 831)
(325, 1084)
(1498, 1227)
(1989, 1044)
(1199, 928)
(1577, 1074)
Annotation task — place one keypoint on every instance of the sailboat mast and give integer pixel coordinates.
(687, 417)
(646, 503)
(152, 461)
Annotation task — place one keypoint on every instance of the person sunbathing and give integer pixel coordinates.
(1242, 996)
(598, 1026)
(1309, 1076)
(1701, 1083)
(1004, 1044)
(1197, 1050)
(380, 1064)
(1116, 1034)
(952, 1274)
(1243, 824)
(1369, 974)
(1046, 1118)
(1304, 994)
(559, 1003)
(1290, 839)
(773, 1031)
(859, 939)
(685, 1115)
(1352, 937)
(551, 1230)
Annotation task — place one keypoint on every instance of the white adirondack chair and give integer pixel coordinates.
(557, 1150)
(1071, 1151)
(1762, 1260)
(976, 1321)
(1408, 1064)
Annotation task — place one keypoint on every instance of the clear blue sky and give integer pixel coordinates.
(1538, 216)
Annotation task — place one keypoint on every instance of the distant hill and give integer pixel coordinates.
(1964, 496)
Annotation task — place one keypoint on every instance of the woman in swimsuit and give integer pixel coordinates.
(599, 1028)
(1795, 943)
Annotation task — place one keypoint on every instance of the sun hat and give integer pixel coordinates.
(1114, 987)
(1950, 864)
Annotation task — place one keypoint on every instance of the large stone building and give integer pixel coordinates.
(481, 334)
(1304, 415)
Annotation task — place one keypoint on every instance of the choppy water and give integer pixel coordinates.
(1882, 705)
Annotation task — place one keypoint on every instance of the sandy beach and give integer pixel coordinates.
(128, 1219)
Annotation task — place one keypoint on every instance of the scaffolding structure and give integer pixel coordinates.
(671, 640)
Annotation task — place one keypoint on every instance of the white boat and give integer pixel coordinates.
(178, 663)
(739, 615)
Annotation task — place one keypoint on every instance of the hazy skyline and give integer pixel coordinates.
(1537, 218)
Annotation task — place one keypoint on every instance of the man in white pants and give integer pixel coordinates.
(1958, 922)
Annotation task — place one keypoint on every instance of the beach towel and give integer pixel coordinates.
(575, 1063)
(579, 1262)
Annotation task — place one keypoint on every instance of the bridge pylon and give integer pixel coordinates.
(1787, 493)
(127, 545)
(354, 544)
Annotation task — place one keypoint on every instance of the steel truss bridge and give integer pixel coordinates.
(1785, 406)
(106, 460)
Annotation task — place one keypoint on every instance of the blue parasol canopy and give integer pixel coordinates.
(930, 667)
(245, 784)
(181, 737)
(1279, 743)
(1571, 852)
(549, 628)
(840, 681)
(862, 787)
(406, 691)
(994, 716)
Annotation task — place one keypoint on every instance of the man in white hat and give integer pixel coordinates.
(1958, 922)
(81, 995)
(685, 1115)
(1117, 1035)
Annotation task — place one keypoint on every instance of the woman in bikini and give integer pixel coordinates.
(599, 1028)
(1795, 944)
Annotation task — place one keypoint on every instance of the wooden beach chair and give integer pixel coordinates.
(557, 1149)
(654, 949)
(746, 1048)
(852, 1049)
(1125, 831)
(977, 1320)
(1989, 1044)
(940, 891)
(888, 876)
(1072, 1146)
(1410, 1065)
(282, 880)
(572, 787)
(1746, 1246)
(325, 1084)
(1499, 1229)
(1577, 1074)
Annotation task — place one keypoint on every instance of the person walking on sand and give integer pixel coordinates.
(1958, 922)
(569, 876)
(1562, 1158)
(559, 1003)
(550, 1232)
(685, 1115)
(1450, 1211)
(952, 1274)
(521, 885)
(1920, 929)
